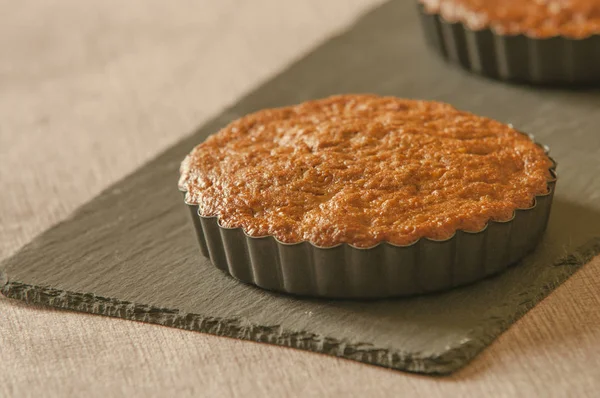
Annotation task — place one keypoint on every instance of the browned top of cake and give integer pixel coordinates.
(363, 169)
(535, 18)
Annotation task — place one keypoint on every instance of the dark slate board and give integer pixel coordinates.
(131, 252)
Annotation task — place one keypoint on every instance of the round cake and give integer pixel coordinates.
(540, 18)
(548, 42)
(364, 169)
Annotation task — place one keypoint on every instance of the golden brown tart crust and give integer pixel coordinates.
(534, 18)
(363, 169)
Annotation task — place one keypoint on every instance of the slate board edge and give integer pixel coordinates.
(449, 361)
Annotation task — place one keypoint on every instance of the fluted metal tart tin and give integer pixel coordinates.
(384, 270)
(546, 61)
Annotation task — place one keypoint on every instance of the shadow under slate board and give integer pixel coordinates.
(131, 252)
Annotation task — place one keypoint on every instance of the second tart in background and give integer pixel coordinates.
(554, 42)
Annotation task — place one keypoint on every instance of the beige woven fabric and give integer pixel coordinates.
(91, 90)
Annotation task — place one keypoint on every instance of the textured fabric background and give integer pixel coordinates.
(90, 91)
